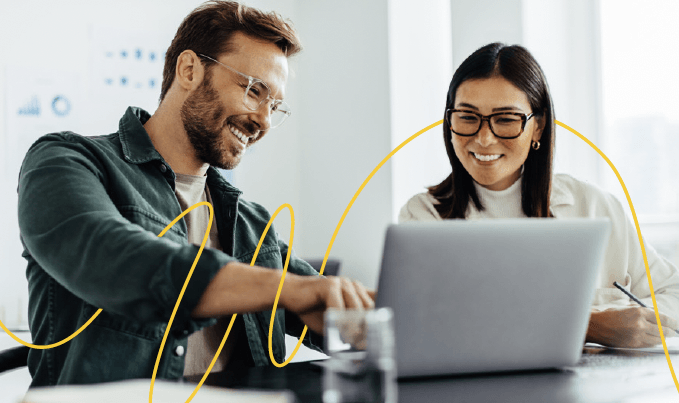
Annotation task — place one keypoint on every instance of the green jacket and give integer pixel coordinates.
(90, 210)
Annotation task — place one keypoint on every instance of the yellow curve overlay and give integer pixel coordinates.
(325, 259)
(641, 243)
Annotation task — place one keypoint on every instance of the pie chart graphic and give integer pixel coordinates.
(61, 106)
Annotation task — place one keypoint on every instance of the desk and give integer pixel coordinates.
(601, 376)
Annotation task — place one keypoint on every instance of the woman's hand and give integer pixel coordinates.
(628, 327)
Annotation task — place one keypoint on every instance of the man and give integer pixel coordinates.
(90, 209)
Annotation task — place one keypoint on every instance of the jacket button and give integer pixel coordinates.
(179, 351)
(163, 168)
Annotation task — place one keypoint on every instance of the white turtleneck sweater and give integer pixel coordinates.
(499, 204)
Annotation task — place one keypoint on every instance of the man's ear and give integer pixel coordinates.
(189, 72)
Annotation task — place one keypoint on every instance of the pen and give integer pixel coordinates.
(633, 297)
(629, 294)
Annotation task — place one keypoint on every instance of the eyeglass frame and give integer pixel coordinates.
(523, 116)
(251, 81)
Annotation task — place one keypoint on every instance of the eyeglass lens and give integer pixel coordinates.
(257, 93)
(503, 125)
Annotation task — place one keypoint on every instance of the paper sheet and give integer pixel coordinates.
(671, 342)
(137, 391)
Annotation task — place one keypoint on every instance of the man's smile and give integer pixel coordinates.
(239, 134)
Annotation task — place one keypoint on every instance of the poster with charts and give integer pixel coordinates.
(125, 69)
(38, 101)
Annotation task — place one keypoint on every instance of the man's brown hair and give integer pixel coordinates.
(208, 30)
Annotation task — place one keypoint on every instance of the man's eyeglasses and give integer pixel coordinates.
(505, 125)
(256, 93)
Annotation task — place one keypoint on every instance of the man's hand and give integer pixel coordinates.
(628, 327)
(240, 288)
(310, 296)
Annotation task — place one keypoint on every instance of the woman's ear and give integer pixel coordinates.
(540, 126)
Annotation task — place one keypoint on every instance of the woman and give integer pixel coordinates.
(499, 134)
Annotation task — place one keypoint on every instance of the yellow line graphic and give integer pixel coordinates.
(641, 243)
(179, 299)
(48, 346)
(332, 240)
(327, 254)
(280, 285)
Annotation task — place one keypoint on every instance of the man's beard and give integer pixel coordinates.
(202, 114)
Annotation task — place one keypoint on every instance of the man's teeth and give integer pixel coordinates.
(491, 157)
(239, 134)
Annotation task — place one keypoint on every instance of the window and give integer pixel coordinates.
(640, 95)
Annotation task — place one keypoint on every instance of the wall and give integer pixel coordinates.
(371, 74)
(421, 66)
(54, 36)
(49, 36)
(563, 37)
(479, 22)
(338, 90)
(344, 131)
(339, 131)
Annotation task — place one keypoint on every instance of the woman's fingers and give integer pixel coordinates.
(665, 320)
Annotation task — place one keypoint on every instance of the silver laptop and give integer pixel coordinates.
(490, 295)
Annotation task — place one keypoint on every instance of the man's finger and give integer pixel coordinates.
(333, 293)
(351, 298)
(367, 301)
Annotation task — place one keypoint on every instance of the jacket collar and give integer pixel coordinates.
(138, 148)
(215, 179)
(137, 145)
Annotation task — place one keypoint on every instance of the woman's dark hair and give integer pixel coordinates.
(517, 65)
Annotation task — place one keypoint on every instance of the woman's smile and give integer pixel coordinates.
(493, 162)
(486, 158)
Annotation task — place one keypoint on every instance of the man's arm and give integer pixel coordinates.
(71, 227)
(240, 288)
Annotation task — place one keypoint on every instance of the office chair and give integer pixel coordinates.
(332, 266)
(12, 358)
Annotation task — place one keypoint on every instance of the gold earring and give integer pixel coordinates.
(535, 145)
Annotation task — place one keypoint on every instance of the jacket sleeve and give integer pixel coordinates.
(293, 324)
(74, 231)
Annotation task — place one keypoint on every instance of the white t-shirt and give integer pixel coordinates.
(571, 198)
(203, 344)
